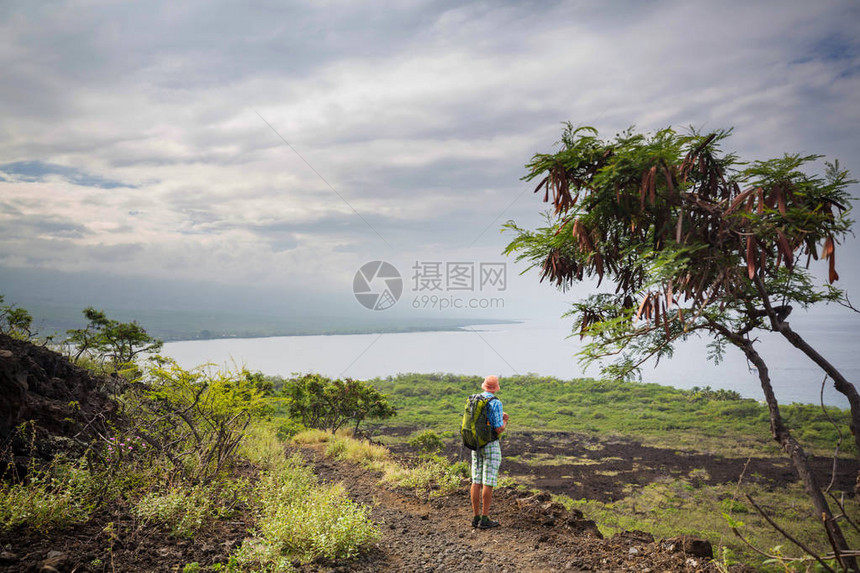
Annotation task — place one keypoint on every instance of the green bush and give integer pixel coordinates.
(427, 442)
(195, 419)
(326, 404)
(433, 474)
(301, 518)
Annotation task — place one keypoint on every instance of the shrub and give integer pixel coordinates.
(358, 451)
(312, 437)
(427, 442)
(434, 475)
(320, 402)
(194, 419)
(302, 518)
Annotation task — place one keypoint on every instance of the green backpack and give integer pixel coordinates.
(475, 429)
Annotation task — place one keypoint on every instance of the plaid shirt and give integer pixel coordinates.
(494, 411)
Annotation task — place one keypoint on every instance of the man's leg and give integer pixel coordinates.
(492, 460)
(475, 490)
(487, 498)
(475, 494)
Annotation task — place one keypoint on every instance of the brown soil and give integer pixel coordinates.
(604, 468)
(421, 532)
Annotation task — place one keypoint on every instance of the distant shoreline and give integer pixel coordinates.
(341, 332)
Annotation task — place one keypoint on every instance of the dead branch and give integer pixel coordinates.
(788, 536)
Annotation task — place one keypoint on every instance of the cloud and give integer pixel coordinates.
(40, 171)
(132, 140)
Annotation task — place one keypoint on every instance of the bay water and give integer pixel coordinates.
(543, 348)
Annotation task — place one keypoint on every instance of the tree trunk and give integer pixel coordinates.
(839, 382)
(798, 456)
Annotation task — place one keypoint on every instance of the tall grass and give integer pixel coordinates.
(433, 474)
(297, 518)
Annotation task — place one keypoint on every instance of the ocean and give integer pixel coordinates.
(542, 348)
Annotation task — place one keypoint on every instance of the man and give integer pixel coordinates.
(486, 460)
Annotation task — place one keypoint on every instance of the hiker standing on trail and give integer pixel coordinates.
(486, 460)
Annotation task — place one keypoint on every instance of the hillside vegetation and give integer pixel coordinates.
(716, 421)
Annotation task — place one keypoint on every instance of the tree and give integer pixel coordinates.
(15, 321)
(330, 404)
(694, 242)
(119, 342)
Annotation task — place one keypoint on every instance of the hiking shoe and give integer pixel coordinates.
(476, 520)
(487, 523)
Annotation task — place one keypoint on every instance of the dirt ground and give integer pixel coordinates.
(433, 533)
(602, 469)
(114, 541)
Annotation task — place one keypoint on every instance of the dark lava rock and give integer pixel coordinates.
(692, 546)
(65, 402)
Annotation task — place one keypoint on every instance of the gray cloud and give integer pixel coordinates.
(421, 116)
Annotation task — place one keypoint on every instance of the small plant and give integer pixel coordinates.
(57, 496)
(312, 437)
(301, 518)
(427, 442)
(182, 511)
(362, 452)
(434, 474)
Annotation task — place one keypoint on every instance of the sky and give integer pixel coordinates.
(276, 147)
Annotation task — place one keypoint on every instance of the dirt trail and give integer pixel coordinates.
(420, 533)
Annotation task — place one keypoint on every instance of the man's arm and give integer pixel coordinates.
(504, 425)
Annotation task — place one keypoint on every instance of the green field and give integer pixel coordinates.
(703, 420)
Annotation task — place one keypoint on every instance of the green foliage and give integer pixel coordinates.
(195, 419)
(663, 216)
(118, 343)
(302, 518)
(427, 442)
(320, 402)
(58, 496)
(676, 506)
(182, 511)
(434, 475)
(362, 452)
(700, 419)
(289, 427)
(15, 321)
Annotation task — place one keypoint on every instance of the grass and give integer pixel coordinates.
(685, 505)
(714, 422)
(183, 511)
(433, 474)
(59, 496)
(297, 518)
(717, 423)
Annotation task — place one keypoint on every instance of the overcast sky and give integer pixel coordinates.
(284, 144)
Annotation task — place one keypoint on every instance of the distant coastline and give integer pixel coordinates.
(391, 329)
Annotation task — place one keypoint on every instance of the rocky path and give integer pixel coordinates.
(434, 534)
